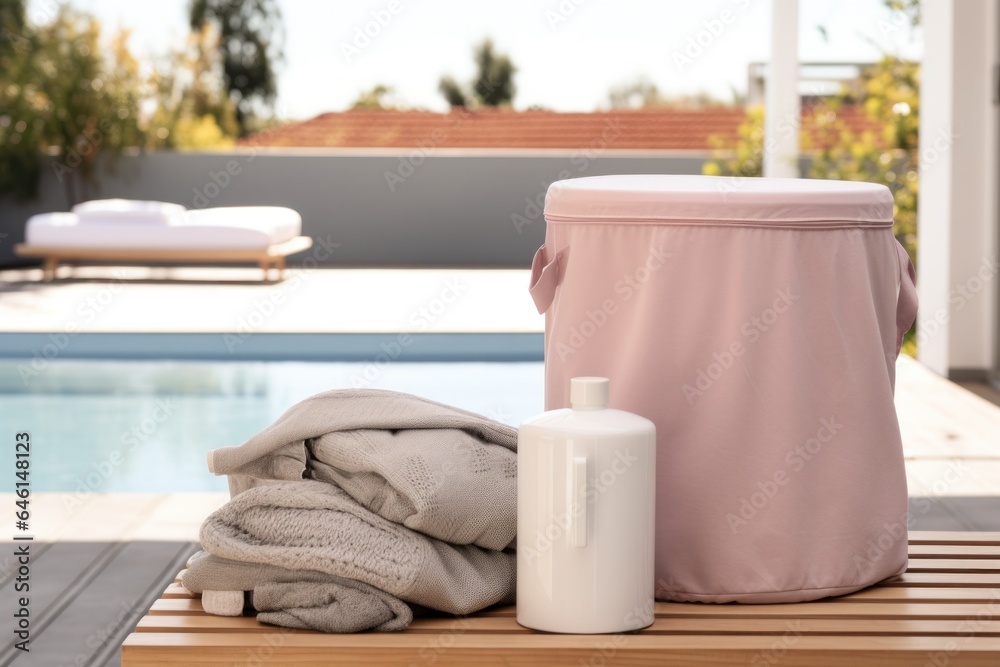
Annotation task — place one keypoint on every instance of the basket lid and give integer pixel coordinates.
(773, 201)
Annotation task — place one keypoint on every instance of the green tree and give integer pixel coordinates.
(453, 93)
(886, 152)
(13, 22)
(374, 98)
(70, 93)
(20, 136)
(193, 109)
(492, 86)
(909, 8)
(250, 44)
(494, 82)
(745, 157)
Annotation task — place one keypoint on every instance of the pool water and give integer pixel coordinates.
(103, 426)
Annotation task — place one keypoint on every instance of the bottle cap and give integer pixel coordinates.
(589, 393)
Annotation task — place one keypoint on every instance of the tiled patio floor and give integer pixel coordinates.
(214, 300)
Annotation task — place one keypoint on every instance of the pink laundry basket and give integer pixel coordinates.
(756, 322)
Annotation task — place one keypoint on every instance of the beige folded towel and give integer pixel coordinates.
(445, 472)
(315, 526)
(302, 599)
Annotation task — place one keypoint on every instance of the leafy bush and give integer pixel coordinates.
(884, 151)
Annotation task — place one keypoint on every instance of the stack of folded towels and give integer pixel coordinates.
(358, 506)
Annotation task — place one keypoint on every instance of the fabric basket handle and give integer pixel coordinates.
(906, 303)
(546, 276)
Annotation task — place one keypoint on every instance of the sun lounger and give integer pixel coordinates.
(142, 232)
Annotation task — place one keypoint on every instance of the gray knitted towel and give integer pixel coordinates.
(446, 472)
(310, 525)
(302, 599)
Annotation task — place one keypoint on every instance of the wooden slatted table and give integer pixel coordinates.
(944, 612)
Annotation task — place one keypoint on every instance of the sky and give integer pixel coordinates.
(569, 53)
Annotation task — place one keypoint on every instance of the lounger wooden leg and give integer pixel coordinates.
(280, 265)
(49, 268)
(265, 266)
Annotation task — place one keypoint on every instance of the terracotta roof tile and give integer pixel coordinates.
(660, 129)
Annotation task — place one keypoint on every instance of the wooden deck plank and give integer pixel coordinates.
(177, 606)
(920, 594)
(957, 565)
(954, 579)
(954, 537)
(297, 649)
(743, 624)
(159, 622)
(176, 590)
(872, 596)
(875, 602)
(954, 551)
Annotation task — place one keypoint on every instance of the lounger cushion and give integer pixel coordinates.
(232, 227)
(129, 211)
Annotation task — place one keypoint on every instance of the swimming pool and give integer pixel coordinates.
(145, 426)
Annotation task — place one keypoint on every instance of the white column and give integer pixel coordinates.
(782, 106)
(957, 216)
(934, 209)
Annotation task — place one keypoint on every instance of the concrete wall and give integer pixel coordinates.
(383, 208)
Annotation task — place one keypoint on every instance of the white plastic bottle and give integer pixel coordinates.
(586, 479)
